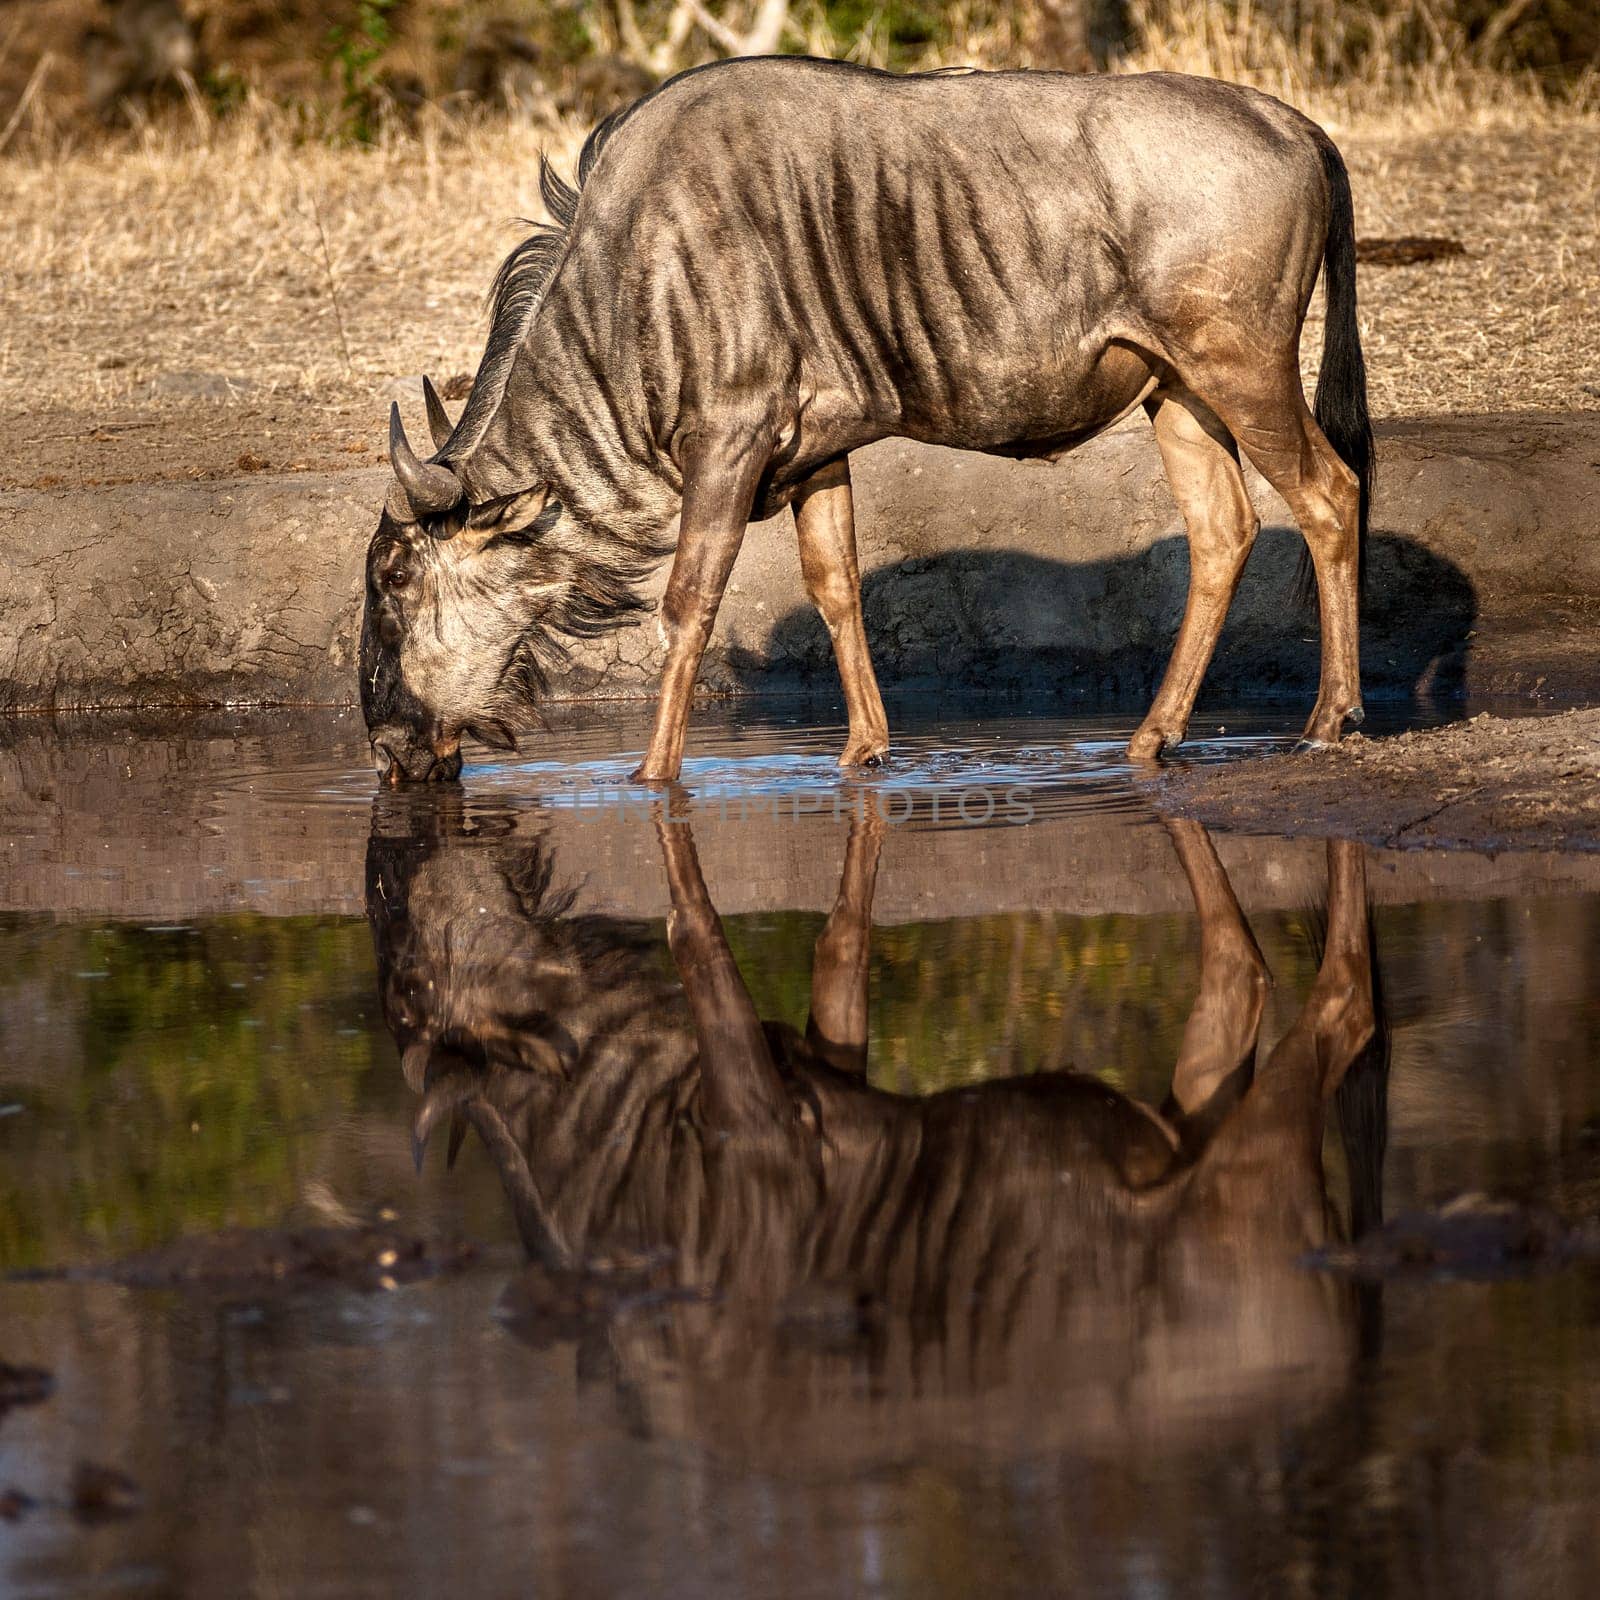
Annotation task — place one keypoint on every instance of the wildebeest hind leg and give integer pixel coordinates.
(824, 520)
(1202, 465)
(720, 474)
(1276, 430)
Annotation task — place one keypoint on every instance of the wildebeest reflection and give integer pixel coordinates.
(1031, 1261)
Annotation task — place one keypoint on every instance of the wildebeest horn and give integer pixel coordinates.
(439, 423)
(429, 487)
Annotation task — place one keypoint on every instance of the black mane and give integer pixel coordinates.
(519, 286)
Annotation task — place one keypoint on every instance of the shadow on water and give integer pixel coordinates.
(1015, 622)
(838, 1275)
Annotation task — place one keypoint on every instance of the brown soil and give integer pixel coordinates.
(64, 446)
(1486, 784)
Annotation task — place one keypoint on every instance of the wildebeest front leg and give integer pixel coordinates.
(1202, 465)
(720, 474)
(837, 1026)
(741, 1090)
(824, 520)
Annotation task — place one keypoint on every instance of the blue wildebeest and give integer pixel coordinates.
(769, 263)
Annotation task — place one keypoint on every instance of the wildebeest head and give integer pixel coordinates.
(486, 974)
(459, 597)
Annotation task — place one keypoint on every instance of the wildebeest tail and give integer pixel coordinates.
(1361, 1101)
(1340, 406)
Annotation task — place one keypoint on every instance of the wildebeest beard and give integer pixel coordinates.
(597, 587)
(950, 1241)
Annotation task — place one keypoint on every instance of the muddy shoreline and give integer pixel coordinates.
(1061, 583)
(1491, 783)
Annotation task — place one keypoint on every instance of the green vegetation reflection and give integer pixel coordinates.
(173, 1079)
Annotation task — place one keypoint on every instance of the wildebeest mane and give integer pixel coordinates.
(599, 569)
(519, 286)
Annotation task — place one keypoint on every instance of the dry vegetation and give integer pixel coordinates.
(198, 294)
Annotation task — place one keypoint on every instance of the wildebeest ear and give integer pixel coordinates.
(512, 513)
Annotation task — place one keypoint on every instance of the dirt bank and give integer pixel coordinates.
(1063, 581)
(1488, 784)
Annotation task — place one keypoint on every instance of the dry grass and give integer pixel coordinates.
(312, 275)
(1385, 82)
(317, 275)
(243, 252)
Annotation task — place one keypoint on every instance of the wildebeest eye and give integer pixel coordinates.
(396, 579)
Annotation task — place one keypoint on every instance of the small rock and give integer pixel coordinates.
(15, 1504)
(367, 1257)
(24, 1386)
(100, 1493)
(545, 1305)
(198, 385)
(1473, 1237)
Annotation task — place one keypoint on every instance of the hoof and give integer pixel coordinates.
(650, 779)
(1149, 745)
(871, 759)
(1323, 731)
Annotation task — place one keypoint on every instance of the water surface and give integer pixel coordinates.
(959, 1320)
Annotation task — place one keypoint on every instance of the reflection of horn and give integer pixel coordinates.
(541, 1238)
(414, 1064)
(429, 487)
(439, 423)
(442, 1101)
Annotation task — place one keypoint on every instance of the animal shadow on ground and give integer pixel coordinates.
(1014, 622)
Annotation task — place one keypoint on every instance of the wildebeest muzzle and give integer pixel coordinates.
(398, 756)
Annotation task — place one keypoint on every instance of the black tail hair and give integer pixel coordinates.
(1362, 1104)
(1340, 406)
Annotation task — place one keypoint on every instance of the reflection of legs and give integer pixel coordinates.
(1264, 1160)
(720, 474)
(837, 1027)
(1219, 1038)
(1203, 468)
(740, 1088)
(1337, 1022)
(824, 520)
(1340, 1009)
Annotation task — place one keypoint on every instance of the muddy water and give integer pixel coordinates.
(990, 1281)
